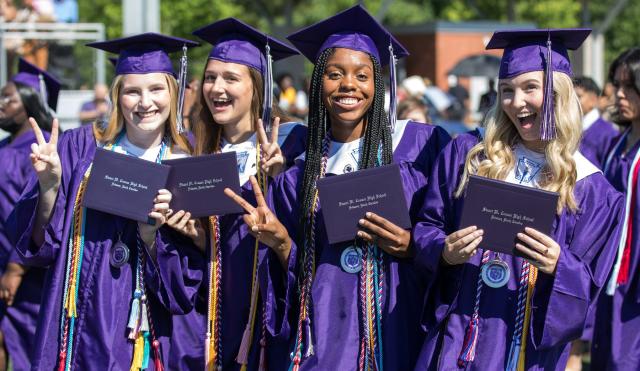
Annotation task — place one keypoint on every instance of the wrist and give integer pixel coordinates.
(445, 260)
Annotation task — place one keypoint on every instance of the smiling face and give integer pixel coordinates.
(348, 87)
(12, 111)
(521, 100)
(228, 92)
(145, 102)
(627, 97)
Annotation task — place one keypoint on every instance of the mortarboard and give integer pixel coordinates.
(353, 29)
(236, 42)
(143, 53)
(39, 80)
(538, 50)
(149, 53)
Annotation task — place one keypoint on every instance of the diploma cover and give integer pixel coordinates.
(346, 198)
(124, 185)
(197, 184)
(504, 209)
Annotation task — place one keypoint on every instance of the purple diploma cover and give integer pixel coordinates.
(124, 185)
(197, 184)
(346, 198)
(504, 209)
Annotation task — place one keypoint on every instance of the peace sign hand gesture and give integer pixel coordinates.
(272, 160)
(44, 156)
(263, 224)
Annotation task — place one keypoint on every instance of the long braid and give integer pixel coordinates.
(377, 130)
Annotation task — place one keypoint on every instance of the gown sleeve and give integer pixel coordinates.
(561, 302)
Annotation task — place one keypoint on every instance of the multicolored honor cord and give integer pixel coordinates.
(140, 327)
(371, 294)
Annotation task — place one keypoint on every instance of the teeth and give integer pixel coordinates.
(146, 114)
(523, 115)
(221, 100)
(348, 101)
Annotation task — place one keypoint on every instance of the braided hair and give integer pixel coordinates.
(376, 141)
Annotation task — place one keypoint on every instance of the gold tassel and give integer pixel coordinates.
(533, 276)
(138, 353)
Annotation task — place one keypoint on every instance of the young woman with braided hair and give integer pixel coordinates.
(323, 311)
(486, 310)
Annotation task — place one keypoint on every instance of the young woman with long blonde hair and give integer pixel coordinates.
(525, 315)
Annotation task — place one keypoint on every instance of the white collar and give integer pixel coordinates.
(590, 118)
(343, 157)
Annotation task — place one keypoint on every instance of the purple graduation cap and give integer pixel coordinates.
(353, 29)
(148, 53)
(538, 50)
(236, 42)
(41, 81)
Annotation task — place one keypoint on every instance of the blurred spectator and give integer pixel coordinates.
(34, 51)
(413, 108)
(301, 107)
(458, 110)
(66, 11)
(287, 92)
(488, 99)
(191, 101)
(607, 102)
(7, 10)
(597, 133)
(97, 109)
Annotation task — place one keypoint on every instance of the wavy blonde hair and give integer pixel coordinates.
(493, 157)
(108, 134)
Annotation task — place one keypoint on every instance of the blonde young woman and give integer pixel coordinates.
(111, 281)
(527, 320)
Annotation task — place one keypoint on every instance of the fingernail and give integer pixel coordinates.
(520, 235)
(368, 214)
(361, 221)
(254, 228)
(360, 234)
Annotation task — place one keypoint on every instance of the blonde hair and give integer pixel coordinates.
(108, 134)
(493, 157)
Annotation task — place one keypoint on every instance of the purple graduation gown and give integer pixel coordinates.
(596, 140)
(18, 323)
(237, 246)
(560, 303)
(616, 336)
(105, 292)
(335, 314)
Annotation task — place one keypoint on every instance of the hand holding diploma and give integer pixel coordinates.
(182, 222)
(391, 238)
(461, 245)
(159, 214)
(539, 249)
(263, 224)
(271, 159)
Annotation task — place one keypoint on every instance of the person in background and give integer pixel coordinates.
(96, 109)
(20, 287)
(597, 133)
(488, 99)
(616, 335)
(287, 98)
(413, 108)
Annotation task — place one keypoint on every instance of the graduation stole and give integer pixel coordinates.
(140, 323)
(526, 284)
(620, 274)
(371, 291)
(213, 339)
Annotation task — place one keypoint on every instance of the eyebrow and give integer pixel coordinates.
(341, 66)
